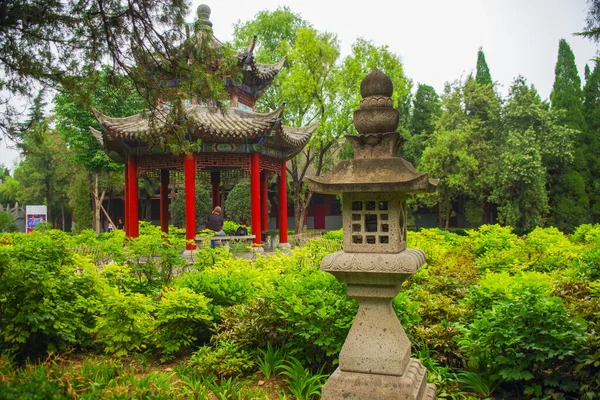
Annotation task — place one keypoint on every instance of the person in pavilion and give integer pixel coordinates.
(215, 222)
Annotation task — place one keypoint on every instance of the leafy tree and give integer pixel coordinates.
(448, 158)
(426, 111)
(203, 207)
(569, 205)
(566, 92)
(7, 222)
(9, 190)
(55, 43)
(237, 204)
(483, 75)
(80, 200)
(275, 30)
(591, 145)
(114, 95)
(482, 115)
(592, 27)
(537, 142)
(44, 174)
(520, 189)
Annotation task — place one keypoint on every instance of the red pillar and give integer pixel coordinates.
(255, 196)
(164, 200)
(189, 170)
(283, 222)
(264, 200)
(132, 198)
(126, 204)
(215, 181)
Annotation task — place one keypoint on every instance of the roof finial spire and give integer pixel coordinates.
(204, 14)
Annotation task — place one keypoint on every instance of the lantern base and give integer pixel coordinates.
(412, 385)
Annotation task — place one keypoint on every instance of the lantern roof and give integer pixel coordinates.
(377, 166)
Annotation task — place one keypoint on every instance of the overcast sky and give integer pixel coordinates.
(436, 39)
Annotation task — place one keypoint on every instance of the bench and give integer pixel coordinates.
(246, 240)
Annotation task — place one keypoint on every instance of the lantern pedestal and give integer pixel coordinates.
(411, 385)
(375, 360)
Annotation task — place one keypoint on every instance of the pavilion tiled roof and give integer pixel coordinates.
(210, 125)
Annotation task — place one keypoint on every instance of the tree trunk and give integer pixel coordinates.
(448, 217)
(98, 199)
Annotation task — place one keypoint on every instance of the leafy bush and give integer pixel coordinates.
(334, 235)
(225, 284)
(493, 288)
(45, 305)
(203, 207)
(226, 359)
(125, 322)
(181, 319)
(304, 311)
(528, 339)
(237, 204)
(7, 222)
(548, 249)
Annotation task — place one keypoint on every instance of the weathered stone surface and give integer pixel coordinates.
(376, 83)
(376, 120)
(375, 362)
(412, 385)
(389, 264)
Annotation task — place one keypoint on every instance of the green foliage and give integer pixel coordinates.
(155, 258)
(81, 203)
(237, 205)
(334, 235)
(301, 383)
(226, 359)
(45, 305)
(566, 92)
(483, 76)
(271, 361)
(528, 339)
(426, 111)
(7, 222)
(181, 319)
(203, 207)
(125, 322)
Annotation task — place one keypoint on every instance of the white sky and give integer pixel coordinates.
(436, 39)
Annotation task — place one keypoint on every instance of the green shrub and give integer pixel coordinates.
(181, 319)
(587, 233)
(155, 258)
(237, 204)
(203, 207)
(548, 249)
(45, 305)
(7, 222)
(501, 287)
(225, 284)
(125, 322)
(528, 339)
(334, 235)
(226, 359)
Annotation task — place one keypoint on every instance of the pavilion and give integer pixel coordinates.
(238, 141)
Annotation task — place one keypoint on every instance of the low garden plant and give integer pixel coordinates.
(491, 315)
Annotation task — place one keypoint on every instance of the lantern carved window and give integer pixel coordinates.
(377, 222)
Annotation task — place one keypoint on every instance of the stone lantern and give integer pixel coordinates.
(375, 360)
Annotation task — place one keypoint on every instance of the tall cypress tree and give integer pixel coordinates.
(569, 202)
(426, 111)
(483, 75)
(566, 92)
(591, 101)
(591, 111)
